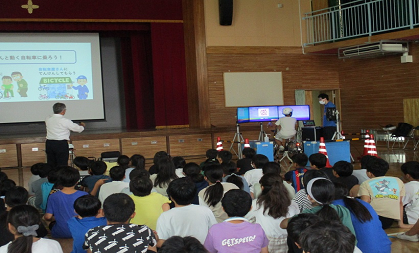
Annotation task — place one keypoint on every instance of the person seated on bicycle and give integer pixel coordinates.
(286, 128)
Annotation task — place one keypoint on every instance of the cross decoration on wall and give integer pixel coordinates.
(30, 6)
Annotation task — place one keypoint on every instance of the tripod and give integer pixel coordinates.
(261, 133)
(238, 138)
(337, 135)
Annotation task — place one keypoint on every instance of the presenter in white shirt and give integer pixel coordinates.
(58, 135)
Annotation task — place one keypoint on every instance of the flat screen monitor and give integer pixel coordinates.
(242, 114)
(300, 112)
(263, 113)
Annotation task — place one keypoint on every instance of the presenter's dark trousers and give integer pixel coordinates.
(328, 132)
(57, 152)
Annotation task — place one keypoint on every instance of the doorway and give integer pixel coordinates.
(316, 110)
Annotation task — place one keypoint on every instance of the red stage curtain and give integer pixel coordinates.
(138, 81)
(170, 90)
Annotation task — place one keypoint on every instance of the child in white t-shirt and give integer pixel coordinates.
(185, 219)
(411, 199)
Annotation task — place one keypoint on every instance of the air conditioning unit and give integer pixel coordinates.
(371, 49)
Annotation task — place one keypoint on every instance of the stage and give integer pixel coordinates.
(24, 150)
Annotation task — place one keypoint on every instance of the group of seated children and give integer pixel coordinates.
(208, 208)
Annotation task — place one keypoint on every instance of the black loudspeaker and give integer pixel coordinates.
(226, 11)
(312, 133)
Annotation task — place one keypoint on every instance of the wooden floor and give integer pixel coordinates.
(396, 157)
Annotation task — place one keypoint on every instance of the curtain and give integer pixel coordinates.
(170, 90)
(138, 81)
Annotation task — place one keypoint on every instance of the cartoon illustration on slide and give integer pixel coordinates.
(69, 96)
(43, 96)
(7, 86)
(55, 87)
(43, 87)
(82, 88)
(22, 85)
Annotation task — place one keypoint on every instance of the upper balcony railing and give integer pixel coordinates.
(360, 18)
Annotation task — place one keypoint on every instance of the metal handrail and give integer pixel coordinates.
(360, 18)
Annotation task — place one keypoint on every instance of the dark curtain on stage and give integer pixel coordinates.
(138, 81)
(170, 89)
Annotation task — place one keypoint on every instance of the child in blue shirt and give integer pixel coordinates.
(90, 215)
(47, 187)
(60, 204)
(295, 176)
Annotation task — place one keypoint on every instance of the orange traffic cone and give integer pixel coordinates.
(372, 148)
(322, 150)
(219, 144)
(366, 145)
(246, 143)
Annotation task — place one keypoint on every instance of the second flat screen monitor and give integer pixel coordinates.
(263, 113)
(271, 113)
(300, 112)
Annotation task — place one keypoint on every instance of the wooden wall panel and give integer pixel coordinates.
(411, 111)
(8, 155)
(33, 153)
(189, 145)
(319, 4)
(309, 101)
(146, 146)
(254, 135)
(372, 90)
(93, 148)
(299, 71)
(196, 62)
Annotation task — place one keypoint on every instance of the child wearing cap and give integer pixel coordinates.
(286, 128)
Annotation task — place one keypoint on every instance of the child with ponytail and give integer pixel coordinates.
(321, 193)
(273, 206)
(371, 237)
(23, 222)
(211, 196)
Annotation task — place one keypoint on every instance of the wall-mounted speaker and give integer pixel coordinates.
(226, 11)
